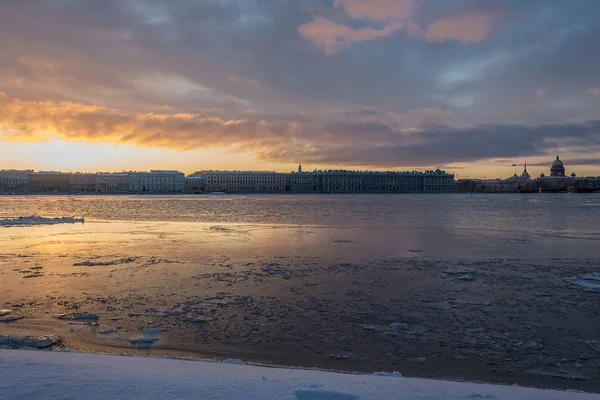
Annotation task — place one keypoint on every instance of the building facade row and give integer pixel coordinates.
(159, 181)
(14, 181)
(342, 181)
(331, 181)
(156, 181)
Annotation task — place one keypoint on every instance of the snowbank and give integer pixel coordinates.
(37, 220)
(60, 375)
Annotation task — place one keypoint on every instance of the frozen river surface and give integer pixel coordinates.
(499, 288)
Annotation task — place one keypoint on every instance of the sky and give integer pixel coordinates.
(470, 86)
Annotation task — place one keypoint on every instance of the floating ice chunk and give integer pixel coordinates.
(143, 342)
(459, 271)
(90, 263)
(80, 317)
(233, 361)
(275, 271)
(323, 395)
(4, 312)
(394, 374)
(398, 326)
(37, 342)
(152, 332)
(37, 220)
(589, 282)
(199, 319)
(466, 277)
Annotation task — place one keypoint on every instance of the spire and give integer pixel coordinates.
(300, 167)
(557, 157)
(525, 164)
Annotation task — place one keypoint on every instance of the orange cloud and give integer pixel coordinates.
(594, 91)
(38, 121)
(467, 28)
(377, 9)
(332, 37)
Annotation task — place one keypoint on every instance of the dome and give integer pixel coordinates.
(557, 162)
(557, 169)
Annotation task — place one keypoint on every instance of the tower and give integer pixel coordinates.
(300, 167)
(525, 175)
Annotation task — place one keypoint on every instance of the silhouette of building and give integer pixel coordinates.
(343, 181)
(558, 168)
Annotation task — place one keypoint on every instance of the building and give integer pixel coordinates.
(156, 181)
(344, 181)
(14, 181)
(112, 182)
(82, 182)
(194, 184)
(243, 181)
(558, 168)
(49, 181)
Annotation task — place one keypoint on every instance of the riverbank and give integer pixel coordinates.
(51, 375)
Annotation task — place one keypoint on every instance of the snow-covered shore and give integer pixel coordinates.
(60, 375)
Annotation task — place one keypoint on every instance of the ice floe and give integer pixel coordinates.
(36, 342)
(37, 220)
(589, 282)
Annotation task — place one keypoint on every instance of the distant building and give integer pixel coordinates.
(112, 182)
(82, 182)
(343, 181)
(243, 181)
(194, 184)
(12, 180)
(558, 168)
(156, 181)
(49, 181)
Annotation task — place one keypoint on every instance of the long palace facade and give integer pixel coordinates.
(159, 181)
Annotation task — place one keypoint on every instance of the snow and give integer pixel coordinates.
(37, 220)
(62, 375)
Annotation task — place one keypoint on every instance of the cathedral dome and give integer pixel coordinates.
(557, 163)
(558, 168)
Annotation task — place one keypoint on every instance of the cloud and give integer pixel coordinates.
(30, 120)
(468, 27)
(594, 91)
(334, 142)
(540, 92)
(332, 37)
(243, 81)
(379, 10)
